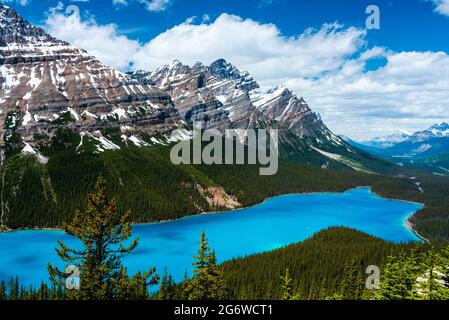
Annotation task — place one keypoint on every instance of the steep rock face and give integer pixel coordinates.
(46, 83)
(282, 105)
(215, 95)
(220, 96)
(224, 70)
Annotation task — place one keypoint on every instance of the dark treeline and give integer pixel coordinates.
(12, 290)
(142, 179)
(432, 222)
(318, 267)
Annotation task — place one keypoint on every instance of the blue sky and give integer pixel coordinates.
(406, 24)
(363, 82)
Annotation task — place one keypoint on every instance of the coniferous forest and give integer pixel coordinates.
(329, 265)
(145, 181)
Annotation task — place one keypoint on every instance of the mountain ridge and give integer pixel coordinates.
(48, 85)
(426, 149)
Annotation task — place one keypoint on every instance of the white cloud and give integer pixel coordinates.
(261, 47)
(120, 2)
(442, 6)
(411, 92)
(102, 41)
(326, 66)
(150, 5)
(156, 5)
(21, 2)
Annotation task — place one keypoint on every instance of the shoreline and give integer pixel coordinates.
(410, 226)
(407, 224)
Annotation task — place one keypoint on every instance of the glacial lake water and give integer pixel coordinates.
(272, 224)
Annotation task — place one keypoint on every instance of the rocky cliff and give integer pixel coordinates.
(46, 83)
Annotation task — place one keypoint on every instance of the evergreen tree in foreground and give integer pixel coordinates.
(432, 284)
(168, 289)
(423, 276)
(398, 278)
(3, 295)
(102, 230)
(351, 287)
(208, 281)
(287, 287)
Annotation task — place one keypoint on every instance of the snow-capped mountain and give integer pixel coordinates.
(387, 141)
(221, 96)
(399, 136)
(435, 131)
(428, 149)
(46, 85)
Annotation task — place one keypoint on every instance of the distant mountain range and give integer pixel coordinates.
(426, 149)
(387, 141)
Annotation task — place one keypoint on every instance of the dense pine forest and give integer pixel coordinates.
(318, 267)
(145, 181)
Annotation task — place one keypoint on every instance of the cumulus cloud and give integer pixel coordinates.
(327, 66)
(442, 6)
(102, 41)
(261, 48)
(409, 93)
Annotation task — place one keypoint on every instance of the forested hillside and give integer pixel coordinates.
(319, 267)
(145, 181)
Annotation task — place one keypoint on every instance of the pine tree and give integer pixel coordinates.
(208, 281)
(431, 285)
(3, 295)
(398, 278)
(42, 293)
(167, 289)
(14, 290)
(351, 287)
(102, 230)
(444, 262)
(182, 288)
(287, 287)
(244, 295)
(323, 289)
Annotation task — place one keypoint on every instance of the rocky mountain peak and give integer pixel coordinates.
(224, 70)
(46, 84)
(443, 127)
(14, 30)
(435, 131)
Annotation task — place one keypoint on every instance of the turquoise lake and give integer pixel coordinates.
(272, 224)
